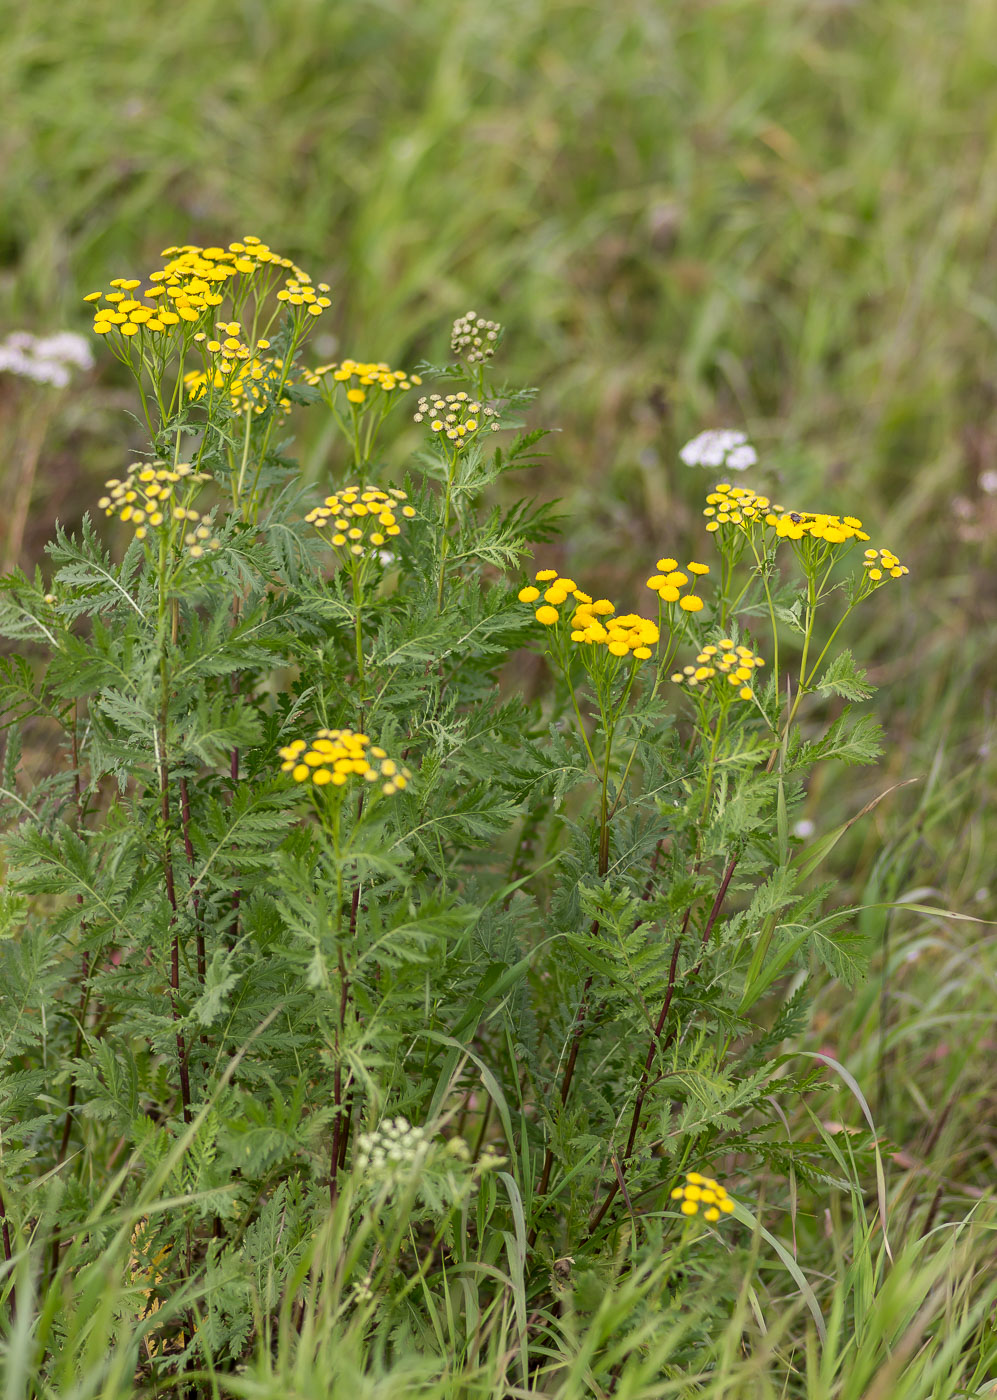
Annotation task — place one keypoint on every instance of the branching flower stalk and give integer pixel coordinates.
(656, 1044)
(334, 758)
(360, 395)
(609, 645)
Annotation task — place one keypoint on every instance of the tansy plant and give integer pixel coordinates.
(315, 846)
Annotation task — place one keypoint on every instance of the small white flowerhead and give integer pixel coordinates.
(719, 447)
(394, 1148)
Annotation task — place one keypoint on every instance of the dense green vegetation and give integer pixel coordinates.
(776, 217)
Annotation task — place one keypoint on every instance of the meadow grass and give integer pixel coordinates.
(776, 216)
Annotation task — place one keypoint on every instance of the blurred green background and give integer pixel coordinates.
(776, 215)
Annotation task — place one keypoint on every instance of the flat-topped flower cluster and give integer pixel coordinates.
(361, 517)
(456, 417)
(145, 498)
(335, 755)
(703, 1191)
(592, 621)
(723, 661)
(880, 562)
(741, 509)
(357, 376)
(192, 282)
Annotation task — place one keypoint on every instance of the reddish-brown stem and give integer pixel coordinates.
(566, 1078)
(188, 845)
(659, 1027)
(8, 1253)
(580, 1019)
(649, 1058)
(71, 1101)
(714, 912)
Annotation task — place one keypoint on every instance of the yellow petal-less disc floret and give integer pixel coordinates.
(361, 519)
(881, 564)
(336, 755)
(193, 281)
(725, 667)
(701, 1191)
(627, 635)
(145, 498)
(669, 581)
(363, 381)
(456, 419)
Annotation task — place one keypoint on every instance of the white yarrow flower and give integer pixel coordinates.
(394, 1147)
(45, 359)
(720, 447)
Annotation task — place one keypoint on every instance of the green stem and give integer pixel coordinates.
(357, 624)
(710, 766)
(604, 808)
(827, 644)
(578, 715)
(768, 598)
(445, 541)
(237, 491)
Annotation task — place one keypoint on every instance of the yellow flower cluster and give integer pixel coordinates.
(738, 505)
(744, 508)
(722, 662)
(592, 621)
(625, 635)
(298, 292)
(237, 368)
(880, 563)
(703, 1191)
(670, 580)
(355, 509)
(834, 529)
(335, 755)
(146, 498)
(357, 377)
(190, 283)
(456, 417)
